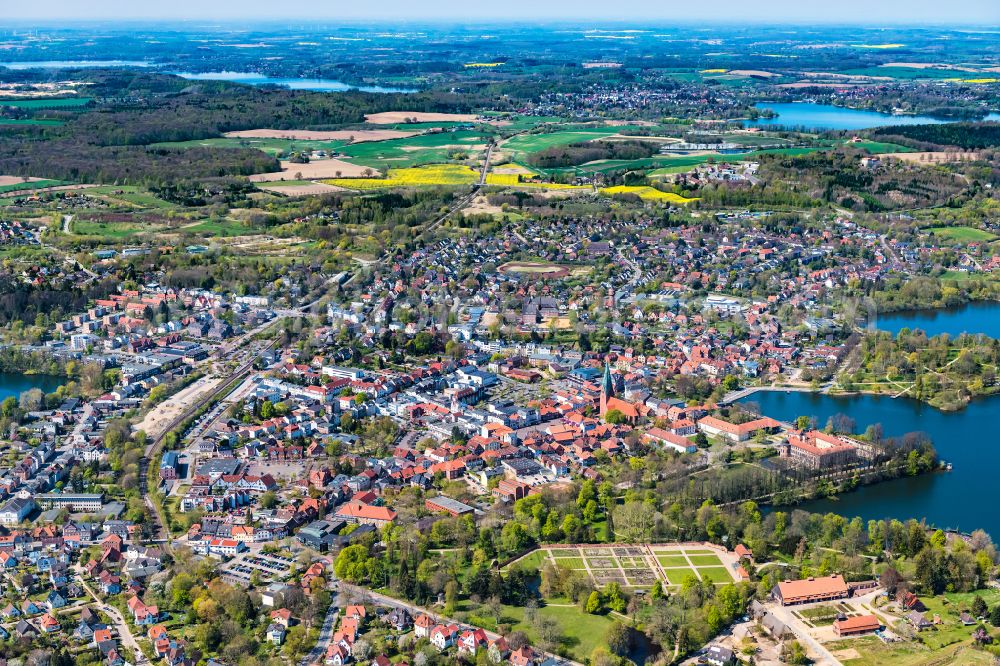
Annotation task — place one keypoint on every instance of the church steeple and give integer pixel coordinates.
(607, 388)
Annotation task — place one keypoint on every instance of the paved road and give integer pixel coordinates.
(124, 633)
(816, 649)
(325, 634)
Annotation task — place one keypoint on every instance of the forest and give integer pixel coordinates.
(968, 136)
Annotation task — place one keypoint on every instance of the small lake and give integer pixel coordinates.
(14, 383)
(977, 317)
(67, 64)
(829, 117)
(316, 85)
(962, 499)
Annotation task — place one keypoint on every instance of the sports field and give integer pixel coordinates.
(639, 566)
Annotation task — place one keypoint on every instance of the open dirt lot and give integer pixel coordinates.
(396, 117)
(302, 190)
(315, 169)
(17, 180)
(354, 136)
(752, 72)
(156, 421)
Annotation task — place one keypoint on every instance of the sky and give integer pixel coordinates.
(981, 12)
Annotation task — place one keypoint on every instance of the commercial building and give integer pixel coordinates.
(855, 626)
(79, 502)
(811, 590)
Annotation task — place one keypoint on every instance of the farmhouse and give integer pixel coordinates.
(854, 626)
(827, 588)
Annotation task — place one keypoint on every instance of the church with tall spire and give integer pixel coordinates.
(607, 389)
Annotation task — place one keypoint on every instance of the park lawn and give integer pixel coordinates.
(672, 560)
(570, 562)
(677, 576)
(699, 551)
(705, 560)
(715, 574)
(533, 560)
(961, 234)
(581, 632)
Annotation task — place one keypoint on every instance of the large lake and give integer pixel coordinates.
(13, 383)
(963, 499)
(829, 117)
(317, 85)
(977, 317)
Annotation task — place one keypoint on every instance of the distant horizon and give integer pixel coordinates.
(893, 13)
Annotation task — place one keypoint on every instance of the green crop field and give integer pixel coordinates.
(877, 147)
(910, 73)
(414, 150)
(961, 234)
(31, 121)
(269, 146)
(32, 185)
(63, 103)
(533, 143)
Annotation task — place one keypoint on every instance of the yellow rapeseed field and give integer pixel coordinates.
(425, 176)
(646, 193)
(439, 175)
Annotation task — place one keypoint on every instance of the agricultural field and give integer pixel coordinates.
(31, 121)
(534, 143)
(270, 145)
(961, 234)
(417, 150)
(425, 176)
(18, 184)
(647, 193)
(61, 103)
(639, 566)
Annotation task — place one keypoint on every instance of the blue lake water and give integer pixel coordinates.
(13, 383)
(978, 317)
(317, 85)
(962, 499)
(829, 117)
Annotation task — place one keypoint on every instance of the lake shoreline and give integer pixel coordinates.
(960, 500)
